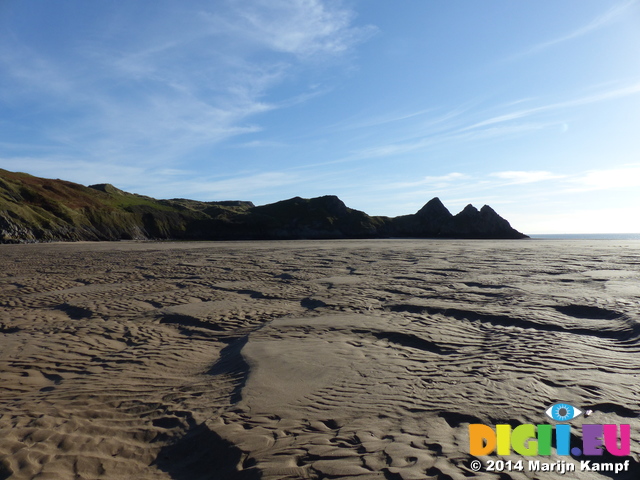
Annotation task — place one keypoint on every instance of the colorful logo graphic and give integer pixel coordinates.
(562, 412)
(530, 440)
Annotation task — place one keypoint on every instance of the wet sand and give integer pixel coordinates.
(307, 359)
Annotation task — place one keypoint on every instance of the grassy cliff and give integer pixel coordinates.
(39, 209)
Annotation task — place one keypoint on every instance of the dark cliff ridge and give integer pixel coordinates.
(36, 209)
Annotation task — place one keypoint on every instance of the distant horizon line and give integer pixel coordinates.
(594, 235)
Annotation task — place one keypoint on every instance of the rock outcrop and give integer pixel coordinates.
(471, 223)
(37, 209)
(435, 221)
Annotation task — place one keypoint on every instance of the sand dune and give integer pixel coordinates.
(308, 359)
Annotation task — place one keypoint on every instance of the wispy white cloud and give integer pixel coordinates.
(176, 172)
(463, 125)
(619, 92)
(299, 27)
(626, 176)
(519, 188)
(617, 178)
(160, 183)
(603, 20)
(91, 119)
(431, 138)
(382, 119)
(31, 72)
(551, 184)
(406, 125)
(239, 187)
(519, 177)
(260, 144)
(77, 170)
(181, 86)
(437, 181)
(460, 125)
(571, 219)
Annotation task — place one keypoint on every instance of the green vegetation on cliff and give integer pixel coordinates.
(38, 209)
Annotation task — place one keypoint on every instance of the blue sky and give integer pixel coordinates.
(532, 107)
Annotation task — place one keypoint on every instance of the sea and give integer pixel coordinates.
(587, 236)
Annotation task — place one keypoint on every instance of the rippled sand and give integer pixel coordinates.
(306, 359)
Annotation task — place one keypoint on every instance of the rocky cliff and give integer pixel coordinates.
(38, 209)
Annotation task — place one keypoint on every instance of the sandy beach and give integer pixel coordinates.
(308, 359)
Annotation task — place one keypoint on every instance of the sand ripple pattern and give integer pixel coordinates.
(306, 360)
